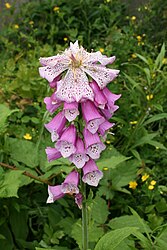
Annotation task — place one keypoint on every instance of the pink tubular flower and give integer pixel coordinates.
(92, 174)
(91, 116)
(93, 144)
(78, 63)
(78, 200)
(66, 143)
(53, 84)
(52, 103)
(52, 154)
(71, 110)
(99, 98)
(56, 126)
(111, 98)
(69, 186)
(104, 127)
(79, 157)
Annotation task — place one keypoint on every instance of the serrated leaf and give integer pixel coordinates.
(22, 151)
(99, 210)
(10, 184)
(4, 113)
(112, 162)
(112, 239)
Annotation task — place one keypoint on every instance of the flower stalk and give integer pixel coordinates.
(85, 244)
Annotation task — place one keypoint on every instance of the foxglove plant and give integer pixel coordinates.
(79, 81)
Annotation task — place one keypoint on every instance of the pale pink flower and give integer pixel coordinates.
(52, 154)
(78, 63)
(71, 110)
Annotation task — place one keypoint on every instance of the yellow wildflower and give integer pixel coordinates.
(145, 7)
(31, 22)
(16, 26)
(56, 9)
(164, 61)
(150, 187)
(139, 38)
(145, 177)
(108, 142)
(133, 56)
(157, 148)
(101, 50)
(133, 18)
(105, 169)
(27, 136)
(65, 39)
(153, 75)
(149, 97)
(153, 183)
(7, 5)
(133, 184)
(133, 122)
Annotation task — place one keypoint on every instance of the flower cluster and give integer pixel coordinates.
(78, 80)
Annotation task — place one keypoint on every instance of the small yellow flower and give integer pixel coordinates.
(150, 187)
(108, 142)
(27, 136)
(164, 61)
(133, 184)
(145, 7)
(16, 26)
(153, 183)
(144, 35)
(7, 5)
(157, 148)
(65, 39)
(139, 38)
(133, 18)
(101, 50)
(142, 43)
(153, 75)
(149, 97)
(56, 9)
(31, 22)
(133, 122)
(145, 177)
(133, 56)
(105, 169)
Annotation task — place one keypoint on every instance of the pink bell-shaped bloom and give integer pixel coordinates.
(93, 144)
(56, 126)
(105, 126)
(70, 184)
(79, 157)
(92, 174)
(91, 116)
(55, 193)
(53, 84)
(99, 98)
(78, 64)
(78, 200)
(111, 98)
(66, 143)
(71, 110)
(52, 154)
(52, 103)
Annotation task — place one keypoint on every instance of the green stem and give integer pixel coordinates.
(84, 219)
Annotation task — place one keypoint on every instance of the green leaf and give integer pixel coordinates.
(112, 239)
(159, 59)
(157, 144)
(22, 151)
(99, 210)
(143, 59)
(112, 162)
(144, 140)
(4, 113)
(10, 184)
(155, 118)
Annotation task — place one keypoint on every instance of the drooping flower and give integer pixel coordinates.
(56, 126)
(66, 143)
(93, 144)
(92, 174)
(91, 116)
(105, 126)
(111, 98)
(79, 157)
(78, 200)
(69, 186)
(99, 98)
(52, 103)
(71, 110)
(52, 154)
(78, 63)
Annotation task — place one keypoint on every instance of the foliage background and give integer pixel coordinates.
(121, 215)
